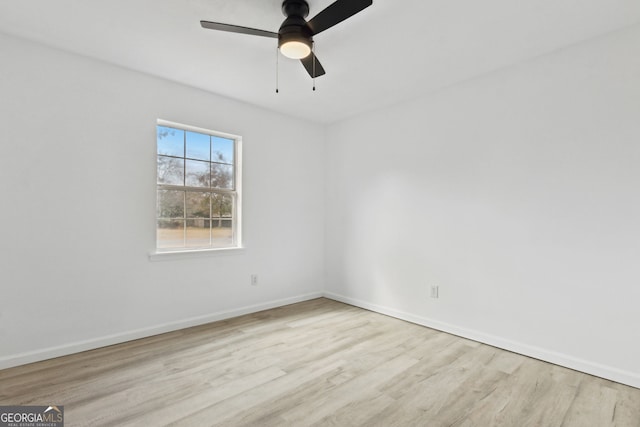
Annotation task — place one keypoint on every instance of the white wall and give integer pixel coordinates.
(77, 188)
(517, 193)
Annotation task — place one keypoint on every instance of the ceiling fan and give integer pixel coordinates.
(295, 36)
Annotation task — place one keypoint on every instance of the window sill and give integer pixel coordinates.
(173, 255)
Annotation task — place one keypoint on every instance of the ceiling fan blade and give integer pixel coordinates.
(314, 70)
(237, 29)
(335, 13)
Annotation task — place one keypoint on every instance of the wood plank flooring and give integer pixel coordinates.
(317, 363)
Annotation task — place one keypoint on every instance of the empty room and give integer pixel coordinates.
(320, 213)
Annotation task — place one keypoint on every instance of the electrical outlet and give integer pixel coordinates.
(435, 291)
(254, 280)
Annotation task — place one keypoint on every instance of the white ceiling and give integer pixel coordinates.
(391, 51)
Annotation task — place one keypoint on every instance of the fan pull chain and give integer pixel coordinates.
(313, 52)
(277, 67)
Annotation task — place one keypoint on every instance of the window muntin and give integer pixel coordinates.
(197, 194)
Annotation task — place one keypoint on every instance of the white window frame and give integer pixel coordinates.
(236, 216)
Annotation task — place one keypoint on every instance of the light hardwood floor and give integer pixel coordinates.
(317, 363)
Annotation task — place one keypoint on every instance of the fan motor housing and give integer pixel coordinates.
(295, 28)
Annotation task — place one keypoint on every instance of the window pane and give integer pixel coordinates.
(198, 205)
(222, 234)
(198, 146)
(197, 173)
(170, 233)
(170, 170)
(170, 141)
(170, 204)
(198, 233)
(222, 223)
(222, 149)
(221, 176)
(221, 206)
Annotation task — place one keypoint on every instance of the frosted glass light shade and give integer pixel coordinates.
(295, 50)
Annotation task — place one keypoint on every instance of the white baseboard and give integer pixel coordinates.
(624, 377)
(91, 344)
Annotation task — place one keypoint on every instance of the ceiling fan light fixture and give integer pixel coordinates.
(295, 36)
(295, 49)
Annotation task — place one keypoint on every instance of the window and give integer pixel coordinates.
(198, 186)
